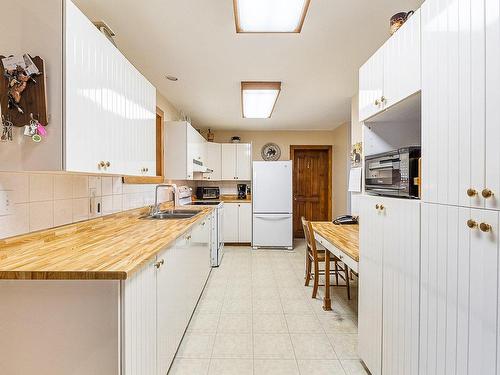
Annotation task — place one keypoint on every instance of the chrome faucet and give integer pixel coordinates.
(156, 208)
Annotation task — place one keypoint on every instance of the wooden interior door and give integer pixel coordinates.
(312, 184)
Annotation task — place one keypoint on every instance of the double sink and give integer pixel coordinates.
(173, 214)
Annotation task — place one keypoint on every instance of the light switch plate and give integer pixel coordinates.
(5, 202)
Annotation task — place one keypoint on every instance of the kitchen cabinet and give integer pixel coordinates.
(237, 161)
(459, 326)
(460, 112)
(110, 108)
(237, 222)
(214, 161)
(392, 74)
(389, 285)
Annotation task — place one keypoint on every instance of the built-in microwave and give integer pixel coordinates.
(393, 173)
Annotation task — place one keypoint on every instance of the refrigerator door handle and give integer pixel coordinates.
(269, 217)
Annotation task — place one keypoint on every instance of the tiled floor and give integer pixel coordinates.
(256, 317)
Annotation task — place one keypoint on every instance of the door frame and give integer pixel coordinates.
(329, 148)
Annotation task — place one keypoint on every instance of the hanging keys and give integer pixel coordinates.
(35, 130)
(7, 130)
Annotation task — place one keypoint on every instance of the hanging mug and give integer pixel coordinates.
(398, 20)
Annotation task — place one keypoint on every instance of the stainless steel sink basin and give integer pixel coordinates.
(174, 214)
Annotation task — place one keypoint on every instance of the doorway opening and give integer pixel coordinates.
(312, 185)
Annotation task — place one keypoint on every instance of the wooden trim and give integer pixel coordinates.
(160, 142)
(297, 30)
(293, 148)
(260, 85)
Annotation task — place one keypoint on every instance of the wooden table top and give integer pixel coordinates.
(343, 237)
(110, 248)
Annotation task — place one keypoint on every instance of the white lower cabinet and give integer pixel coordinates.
(237, 222)
(158, 302)
(459, 326)
(389, 285)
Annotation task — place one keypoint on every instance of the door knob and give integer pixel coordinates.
(377, 102)
(101, 164)
(108, 164)
(471, 192)
(160, 263)
(377, 206)
(471, 224)
(485, 227)
(383, 99)
(487, 193)
(382, 207)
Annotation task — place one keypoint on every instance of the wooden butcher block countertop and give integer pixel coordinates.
(343, 237)
(108, 248)
(235, 199)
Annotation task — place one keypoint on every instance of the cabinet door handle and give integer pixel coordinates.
(485, 227)
(487, 193)
(101, 164)
(382, 208)
(377, 102)
(471, 192)
(383, 99)
(377, 206)
(159, 263)
(471, 224)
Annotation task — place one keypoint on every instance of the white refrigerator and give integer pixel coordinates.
(272, 204)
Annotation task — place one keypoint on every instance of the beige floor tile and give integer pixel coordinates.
(265, 293)
(353, 367)
(275, 367)
(237, 306)
(267, 306)
(183, 366)
(320, 367)
(235, 323)
(269, 323)
(239, 292)
(272, 346)
(292, 293)
(233, 346)
(296, 306)
(345, 345)
(334, 323)
(214, 293)
(219, 366)
(312, 346)
(303, 323)
(209, 306)
(204, 323)
(196, 345)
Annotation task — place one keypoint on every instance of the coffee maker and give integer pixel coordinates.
(242, 191)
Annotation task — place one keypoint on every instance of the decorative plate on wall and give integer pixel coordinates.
(270, 152)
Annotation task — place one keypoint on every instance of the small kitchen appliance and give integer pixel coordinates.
(394, 173)
(242, 191)
(207, 192)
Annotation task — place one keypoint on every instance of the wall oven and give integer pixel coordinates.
(393, 173)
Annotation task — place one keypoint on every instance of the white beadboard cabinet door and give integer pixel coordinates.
(244, 222)
(231, 227)
(371, 240)
(229, 163)
(459, 326)
(214, 161)
(371, 86)
(244, 161)
(402, 62)
(453, 101)
(139, 322)
(492, 182)
(401, 286)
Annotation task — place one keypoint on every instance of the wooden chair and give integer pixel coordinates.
(314, 257)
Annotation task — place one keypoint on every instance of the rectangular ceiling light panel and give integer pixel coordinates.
(270, 16)
(259, 98)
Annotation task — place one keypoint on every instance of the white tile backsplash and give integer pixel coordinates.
(45, 200)
(41, 187)
(41, 215)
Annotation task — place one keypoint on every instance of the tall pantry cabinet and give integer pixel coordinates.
(459, 322)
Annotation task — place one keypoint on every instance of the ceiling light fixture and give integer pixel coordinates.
(270, 16)
(171, 78)
(259, 98)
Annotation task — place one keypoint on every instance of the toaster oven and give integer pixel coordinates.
(207, 192)
(393, 173)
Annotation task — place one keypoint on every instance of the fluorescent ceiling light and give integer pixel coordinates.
(259, 98)
(270, 16)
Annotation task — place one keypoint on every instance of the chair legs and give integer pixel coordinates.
(316, 279)
(347, 282)
(336, 273)
(308, 270)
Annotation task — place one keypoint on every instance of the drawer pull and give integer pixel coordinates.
(485, 227)
(487, 193)
(159, 263)
(471, 192)
(377, 206)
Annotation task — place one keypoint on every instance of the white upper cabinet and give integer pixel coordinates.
(393, 72)
(460, 96)
(237, 161)
(110, 108)
(180, 146)
(214, 161)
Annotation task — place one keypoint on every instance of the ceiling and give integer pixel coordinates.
(196, 41)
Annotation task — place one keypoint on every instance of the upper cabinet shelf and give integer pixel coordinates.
(392, 74)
